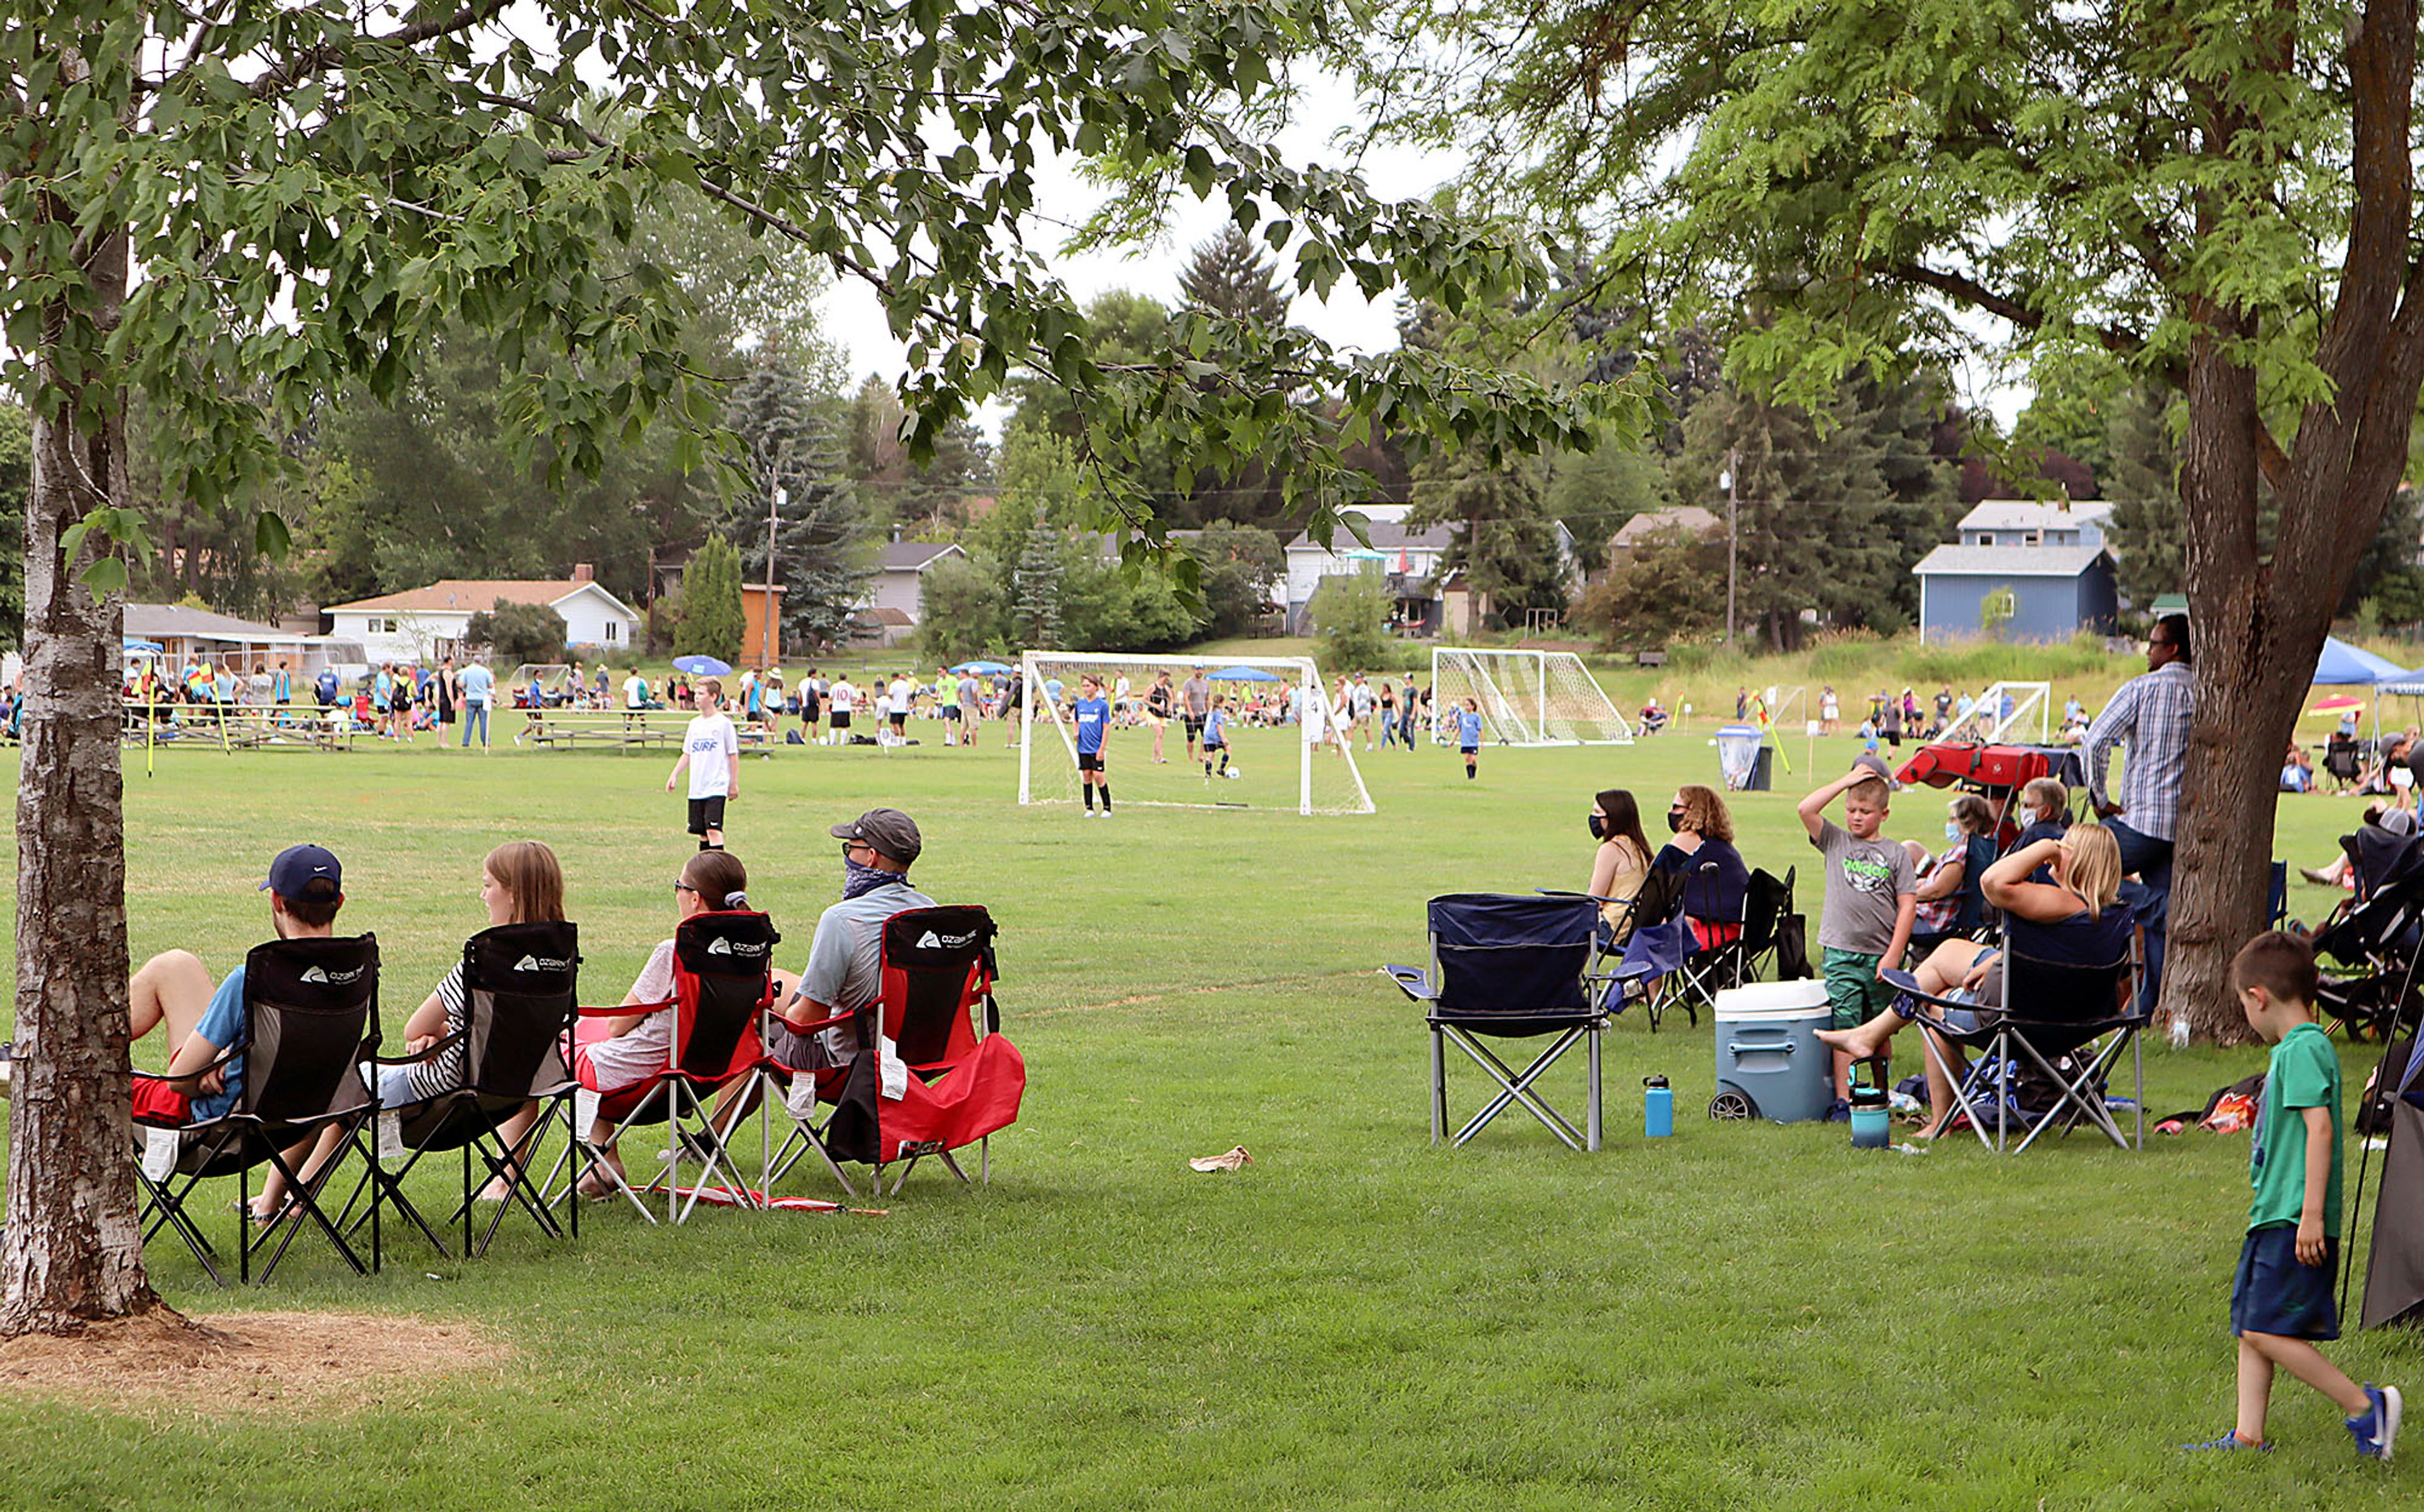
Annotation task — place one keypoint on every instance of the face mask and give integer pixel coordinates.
(1952, 829)
(1674, 820)
(1599, 826)
(858, 878)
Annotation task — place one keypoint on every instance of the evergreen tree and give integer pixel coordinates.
(794, 456)
(1505, 539)
(712, 623)
(1035, 591)
(1229, 275)
(2148, 533)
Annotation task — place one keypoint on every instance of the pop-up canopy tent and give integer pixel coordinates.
(1245, 675)
(2343, 665)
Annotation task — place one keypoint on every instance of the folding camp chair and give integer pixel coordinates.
(1739, 955)
(723, 984)
(519, 1009)
(932, 1072)
(2060, 1029)
(310, 1014)
(1510, 969)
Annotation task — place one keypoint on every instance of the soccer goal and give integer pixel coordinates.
(1283, 752)
(2005, 712)
(1525, 697)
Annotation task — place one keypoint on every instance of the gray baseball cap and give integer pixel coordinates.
(888, 829)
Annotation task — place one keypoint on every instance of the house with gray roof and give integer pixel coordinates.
(2037, 593)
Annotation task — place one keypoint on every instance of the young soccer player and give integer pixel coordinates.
(2281, 1301)
(1871, 896)
(1160, 701)
(1216, 734)
(711, 751)
(1091, 715)
(1468, 735)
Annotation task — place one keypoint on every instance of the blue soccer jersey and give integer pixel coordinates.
(1468, 728)
(1093, 716)
(1215, 728)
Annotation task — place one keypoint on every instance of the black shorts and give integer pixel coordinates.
(841, 718)
(1194, 725)
(951, 711)
(2274, 1293)
(899, 721)
(705, 814)
(1090, 762)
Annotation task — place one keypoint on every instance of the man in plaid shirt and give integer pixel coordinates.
(2150, 716)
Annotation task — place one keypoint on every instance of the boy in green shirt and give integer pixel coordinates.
(2281, 1302)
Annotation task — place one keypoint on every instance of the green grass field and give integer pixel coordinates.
(1736, 1316)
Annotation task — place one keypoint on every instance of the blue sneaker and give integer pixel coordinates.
(2230, 1440)
(1840, 1110)
(2378, 1428)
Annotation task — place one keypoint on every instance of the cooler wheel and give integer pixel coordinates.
(1732, 1106)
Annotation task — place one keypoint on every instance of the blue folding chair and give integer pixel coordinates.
(1508, 968)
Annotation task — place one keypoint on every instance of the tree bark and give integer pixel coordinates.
(73, 1251)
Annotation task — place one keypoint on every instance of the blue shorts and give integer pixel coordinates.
(2275, 1294)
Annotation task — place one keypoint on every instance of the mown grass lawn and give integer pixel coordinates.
(1737, 1316)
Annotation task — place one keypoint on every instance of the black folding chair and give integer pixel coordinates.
(520, 998)
(1507, 967)
(311, 1015)
(2059, 1032)
(1767, 903)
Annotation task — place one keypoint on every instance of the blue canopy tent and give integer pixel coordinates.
(1244, 675)
(2343, 665)
(983, 669)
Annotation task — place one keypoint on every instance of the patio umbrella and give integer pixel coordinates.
(2337, 704)
(701, 667)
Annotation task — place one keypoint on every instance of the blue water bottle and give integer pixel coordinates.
(1657, 1108)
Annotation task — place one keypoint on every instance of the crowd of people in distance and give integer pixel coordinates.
(205, 1023)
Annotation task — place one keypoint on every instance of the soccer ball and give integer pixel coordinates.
(1236, 772)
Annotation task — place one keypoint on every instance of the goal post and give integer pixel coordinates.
(1525, 697)
(1282, 749)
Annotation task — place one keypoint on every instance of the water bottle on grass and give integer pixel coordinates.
(1657, 1108)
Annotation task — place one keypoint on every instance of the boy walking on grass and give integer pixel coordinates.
(1871, 900)
(2281, 1300)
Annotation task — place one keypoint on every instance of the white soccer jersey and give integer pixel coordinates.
(711, 743)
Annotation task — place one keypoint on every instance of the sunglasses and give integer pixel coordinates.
(684, 887)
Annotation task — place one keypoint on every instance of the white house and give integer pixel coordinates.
(423, 624)
(1410, 560)
(2028, 522)
(900, 577)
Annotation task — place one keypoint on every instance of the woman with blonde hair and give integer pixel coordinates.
(1706, 871)
(2076, 919)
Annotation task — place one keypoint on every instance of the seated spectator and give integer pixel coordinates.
(2390, 753)
(1710, 876)
(2297, 771)
(1620, 862)
(1951, 897)
(2075, 919)
(1654, 719)
(520, 883)
(2044, 811)
(845, 957)
(306, 887)
(634, 1046)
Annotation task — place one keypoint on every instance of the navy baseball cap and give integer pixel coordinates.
(296, 869)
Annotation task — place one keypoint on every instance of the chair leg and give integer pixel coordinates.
(1439, 1086)
(1591, 1120)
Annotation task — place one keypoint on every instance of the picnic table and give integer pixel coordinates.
(238, 726)
(622, 729)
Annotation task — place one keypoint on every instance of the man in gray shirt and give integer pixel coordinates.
(1196, 693)
(845, 959)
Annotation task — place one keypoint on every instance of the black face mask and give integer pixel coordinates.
(1599, 826)
(1674, 820)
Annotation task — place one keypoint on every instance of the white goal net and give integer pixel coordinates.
(1525, 697)
(1280, 753)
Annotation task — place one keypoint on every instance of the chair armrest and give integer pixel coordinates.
(809, 1025)
(1415, 981)
(425, 1053)
(625, 1009)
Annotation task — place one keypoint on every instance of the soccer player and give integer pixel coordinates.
(1216, 736)
(902, 695)
(1468, 735)
(843, 699)
(711, 751)
(1091, 717)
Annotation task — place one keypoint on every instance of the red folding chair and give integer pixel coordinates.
(723, 985)
(955, 1078)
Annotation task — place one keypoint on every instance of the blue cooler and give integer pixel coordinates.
(1770, 1064)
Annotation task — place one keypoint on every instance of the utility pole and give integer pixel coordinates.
(1734, 533)
(770, 642)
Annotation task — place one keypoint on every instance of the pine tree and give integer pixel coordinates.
(1505, 539)
(712, 623)
(2149, 535)
(1228, 276)
(1035, 602)
(795, 457)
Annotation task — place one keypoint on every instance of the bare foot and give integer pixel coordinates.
(1851, 1042)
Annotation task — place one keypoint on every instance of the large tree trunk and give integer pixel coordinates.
(73, 1252)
